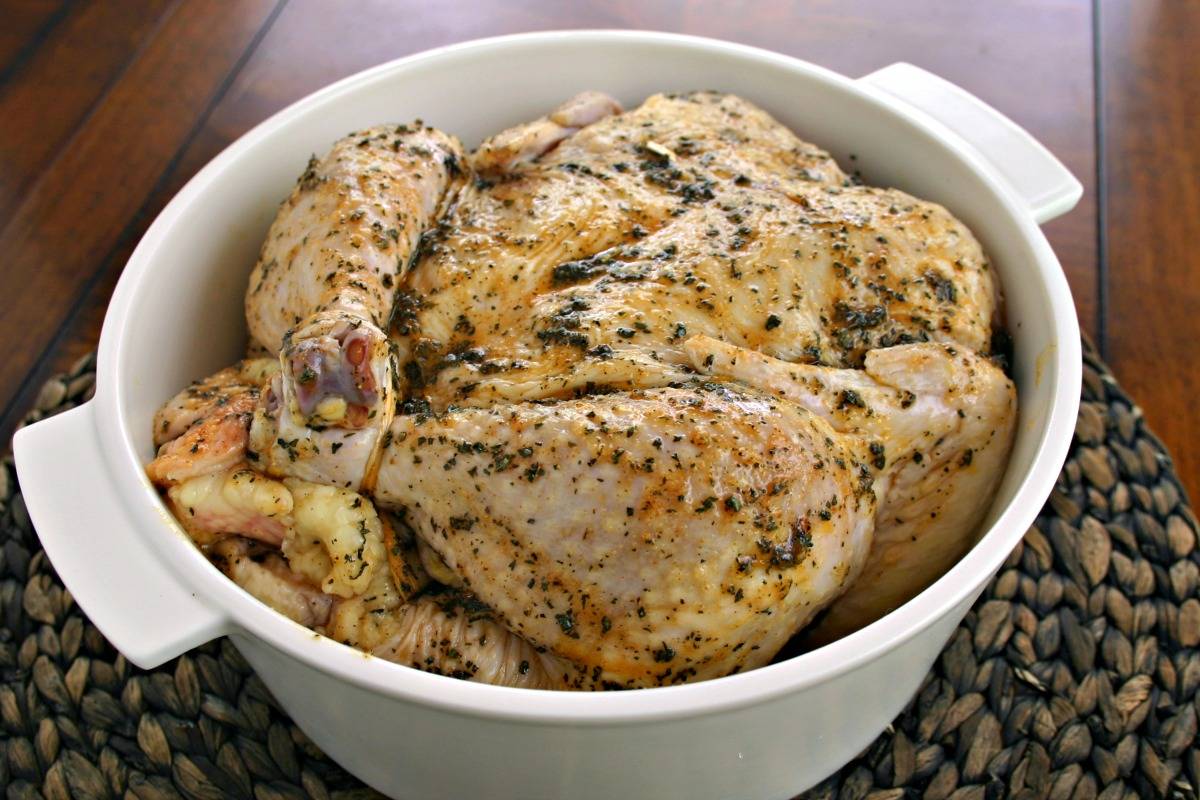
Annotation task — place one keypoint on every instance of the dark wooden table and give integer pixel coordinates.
(107, 108)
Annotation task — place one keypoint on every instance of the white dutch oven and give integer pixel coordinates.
(177, 315)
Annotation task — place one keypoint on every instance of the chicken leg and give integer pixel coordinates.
(645, 538)
(939, 423)
(322, 292)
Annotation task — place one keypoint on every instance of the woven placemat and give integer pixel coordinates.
(1075, 675)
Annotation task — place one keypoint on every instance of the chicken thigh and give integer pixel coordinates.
(938, 421)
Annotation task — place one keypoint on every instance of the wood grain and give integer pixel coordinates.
(109, 31)
(1151, 100)
(76, 212)
(26, 23)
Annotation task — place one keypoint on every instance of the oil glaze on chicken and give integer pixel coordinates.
(618, 399)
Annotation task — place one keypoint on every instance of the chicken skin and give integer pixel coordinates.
(321, 293)
(939, 422)
(317, 555)
(692, 214)
(204, 429)
(647, 537)
(620, 399)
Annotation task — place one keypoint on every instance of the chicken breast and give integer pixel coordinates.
(692, 214)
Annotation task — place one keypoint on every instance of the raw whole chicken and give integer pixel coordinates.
(619, 399)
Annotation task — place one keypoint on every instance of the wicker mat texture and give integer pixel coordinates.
(1075, 676)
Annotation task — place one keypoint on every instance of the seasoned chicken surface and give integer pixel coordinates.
(693, 214)
(204, 429)
(321, 292)
(938, 421)
(647, 537)
(349, 228)
(620, 399)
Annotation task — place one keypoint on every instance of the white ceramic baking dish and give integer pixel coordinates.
(177, 315)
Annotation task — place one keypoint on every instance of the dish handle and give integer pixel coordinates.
(1029, 169)
(92, 540)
